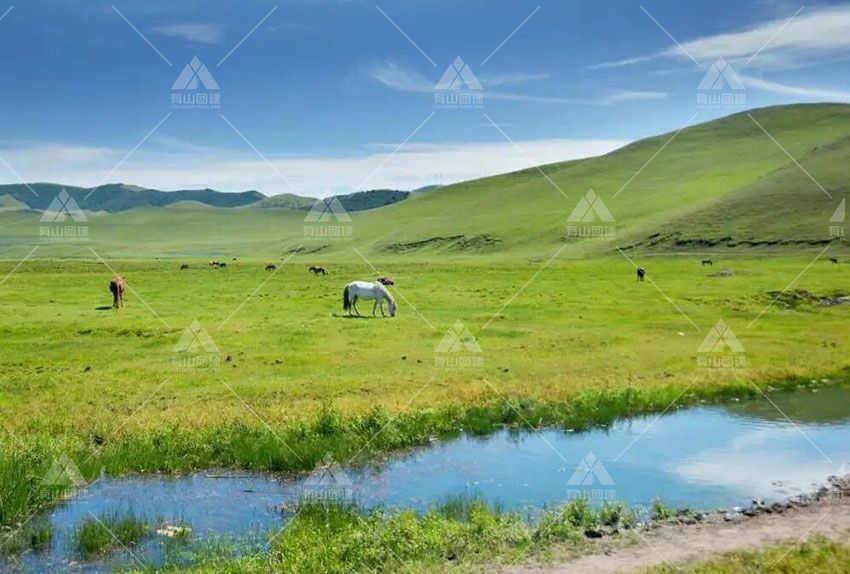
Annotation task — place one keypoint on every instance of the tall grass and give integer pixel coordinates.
(300, 446)
(96, 535)
(342, 538)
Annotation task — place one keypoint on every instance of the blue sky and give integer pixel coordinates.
(323, 96)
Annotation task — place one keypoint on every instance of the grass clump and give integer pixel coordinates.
(818, 556)
(336, 538)
(97, 535)
(31, 537)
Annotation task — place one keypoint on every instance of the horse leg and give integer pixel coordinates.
(382, 308)
(375, 306)
(354, 304)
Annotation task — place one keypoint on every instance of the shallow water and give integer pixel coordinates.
(704, 458)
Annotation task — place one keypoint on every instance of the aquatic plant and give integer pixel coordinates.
(99, 534)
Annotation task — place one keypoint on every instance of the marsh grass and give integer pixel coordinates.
(337, 538)
(97, 535)
(300, 446)
(32, 536)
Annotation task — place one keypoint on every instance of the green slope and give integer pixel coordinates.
(722, 184)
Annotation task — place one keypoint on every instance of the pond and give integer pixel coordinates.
(704, 458)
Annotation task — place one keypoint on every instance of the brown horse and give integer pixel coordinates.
(116, 287)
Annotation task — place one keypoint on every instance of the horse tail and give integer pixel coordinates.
(346, 300)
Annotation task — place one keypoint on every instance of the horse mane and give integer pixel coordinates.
(385, 291)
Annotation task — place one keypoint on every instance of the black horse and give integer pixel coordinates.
(317, 270)
(707, 262)
(641, 273)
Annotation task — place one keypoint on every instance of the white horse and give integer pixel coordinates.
(366, 290)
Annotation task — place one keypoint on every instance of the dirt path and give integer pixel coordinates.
(682, 544)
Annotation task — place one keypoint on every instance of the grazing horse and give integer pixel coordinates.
(641, 273)
(707, 262)
(271, 267)
(366, 290)
(317, 270)
(116, 287)
(215, 263)
(833, 260)
(385, 281)
(184, 266)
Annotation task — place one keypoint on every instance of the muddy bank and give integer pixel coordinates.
(693, 537)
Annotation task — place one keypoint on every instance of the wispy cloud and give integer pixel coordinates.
(397, 77)
(171, 165)
(622, 96)
(780, 43)
(198, 33)
(807, 92)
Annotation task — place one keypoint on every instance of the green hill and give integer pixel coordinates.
(114, 197)
(719, 185)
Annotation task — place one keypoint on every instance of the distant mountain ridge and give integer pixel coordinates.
(114, 197)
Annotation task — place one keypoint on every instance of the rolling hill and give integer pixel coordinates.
(721, 185)
(114, 197)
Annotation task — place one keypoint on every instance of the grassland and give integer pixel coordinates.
(813, 557)
(287, 349)
(566, 333)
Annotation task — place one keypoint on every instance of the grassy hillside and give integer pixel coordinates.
(720, 185)
(114, 197)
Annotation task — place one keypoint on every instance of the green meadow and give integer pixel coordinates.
(505, 318)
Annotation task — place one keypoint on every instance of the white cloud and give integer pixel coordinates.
(811, 36)
(622, 96)
(399, 78)
(806, 92)
(198, 33)
(413, 166)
